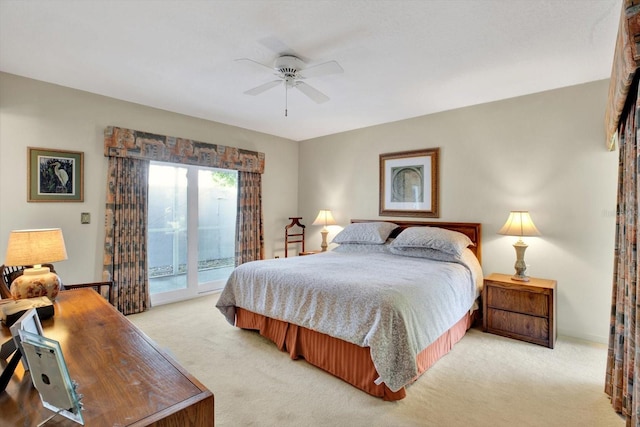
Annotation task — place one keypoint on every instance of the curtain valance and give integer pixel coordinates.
(119, 142)
(626, 60)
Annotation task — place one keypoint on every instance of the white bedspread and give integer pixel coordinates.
(395, 305)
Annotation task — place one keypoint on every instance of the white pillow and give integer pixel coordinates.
(373, 233)
(440, 239)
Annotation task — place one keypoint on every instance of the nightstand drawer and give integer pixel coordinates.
(515, 300)
(521, 325)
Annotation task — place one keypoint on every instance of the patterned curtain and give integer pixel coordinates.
(135, 144)
(249, 228)
(621, 383)
(626, 60)
(129, 152)
(125, 252)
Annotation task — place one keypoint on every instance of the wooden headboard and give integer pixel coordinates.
(471, 229)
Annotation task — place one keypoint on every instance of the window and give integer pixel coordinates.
(191, 230)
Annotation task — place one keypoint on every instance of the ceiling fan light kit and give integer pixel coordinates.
(291, 70)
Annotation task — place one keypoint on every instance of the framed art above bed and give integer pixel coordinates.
(409, 183)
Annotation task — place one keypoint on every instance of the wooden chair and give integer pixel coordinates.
(293, 237)
(99, 287)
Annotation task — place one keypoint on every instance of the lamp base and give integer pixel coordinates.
(324, 244)
(31, 285)
(520, 265)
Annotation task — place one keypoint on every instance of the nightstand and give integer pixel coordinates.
(308, 253)
(522, 310)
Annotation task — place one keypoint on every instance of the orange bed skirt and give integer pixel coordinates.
(345, 360)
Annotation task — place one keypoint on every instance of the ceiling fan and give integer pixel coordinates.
(291, 71)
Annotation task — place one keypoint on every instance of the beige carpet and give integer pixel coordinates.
(486, 380)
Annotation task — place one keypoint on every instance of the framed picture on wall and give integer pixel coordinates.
(409, 183)
(55, 175)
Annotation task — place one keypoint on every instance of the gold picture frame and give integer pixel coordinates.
(55, 175)
(409, 183)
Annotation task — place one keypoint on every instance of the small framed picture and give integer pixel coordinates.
(50, 376)
(409, 183)
(55, 175)
(30, 322)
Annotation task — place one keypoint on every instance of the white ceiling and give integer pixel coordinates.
(401, 58)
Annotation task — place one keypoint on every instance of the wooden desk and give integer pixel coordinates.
(126, 379)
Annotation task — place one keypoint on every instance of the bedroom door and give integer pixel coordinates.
(191, 230)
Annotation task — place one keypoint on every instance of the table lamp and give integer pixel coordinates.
(519, 224)
(324, 218)
(33, 248)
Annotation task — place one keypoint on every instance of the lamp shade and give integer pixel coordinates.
(34, 247)
(324, 218)
(519, 223)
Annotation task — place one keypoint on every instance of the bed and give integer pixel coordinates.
(377, 311)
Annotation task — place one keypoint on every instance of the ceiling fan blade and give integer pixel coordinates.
(263, 87)
(280, 47)
(257, 63)
(311, 92)
(331, 67)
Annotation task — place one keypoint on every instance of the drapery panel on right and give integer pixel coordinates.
(621, 383)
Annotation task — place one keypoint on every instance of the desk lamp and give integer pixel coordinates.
(519, 224)
(34, 248)
(324, 218)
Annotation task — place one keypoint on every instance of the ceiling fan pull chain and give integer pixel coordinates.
(286, 97)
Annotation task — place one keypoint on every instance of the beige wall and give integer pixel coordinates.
(543, 153)
(38, 114)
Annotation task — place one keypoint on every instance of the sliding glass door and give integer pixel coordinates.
(191, 230)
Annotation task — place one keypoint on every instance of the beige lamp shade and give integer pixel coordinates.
(35, 247)
(519, 223)
(324, 218)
